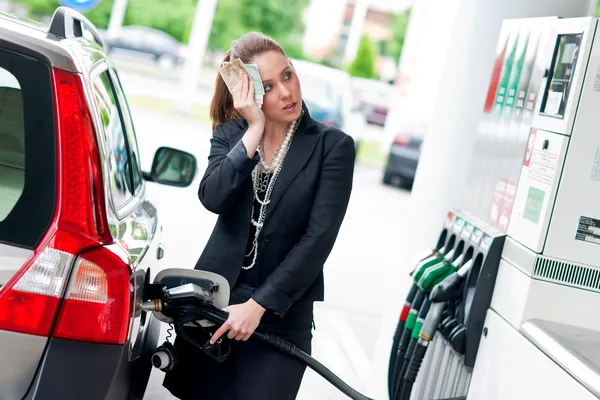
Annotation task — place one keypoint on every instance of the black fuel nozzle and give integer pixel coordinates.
(448, 327)
(447, 290)
(457, 338)
(445, 313)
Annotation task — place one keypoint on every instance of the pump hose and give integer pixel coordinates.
(411, 347)
(412, 369)
(291, 350)
(428, 330)
(219, 317)
(405, 340)
(398, 334)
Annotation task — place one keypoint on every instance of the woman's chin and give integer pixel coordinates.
(294, 114)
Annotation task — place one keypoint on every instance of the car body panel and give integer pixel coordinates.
(12, 258)
(73, 370)
(134, 225)
(21, 355)
(41, 368)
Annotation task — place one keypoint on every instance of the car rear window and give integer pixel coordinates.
(27, 149)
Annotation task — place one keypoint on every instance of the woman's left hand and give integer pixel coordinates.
(243, 320)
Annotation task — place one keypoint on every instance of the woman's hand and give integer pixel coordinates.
(243, 320)
(243, 102)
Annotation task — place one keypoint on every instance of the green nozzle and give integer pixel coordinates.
(435, 275)
(426, 264)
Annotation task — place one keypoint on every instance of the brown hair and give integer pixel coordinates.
(245, 48)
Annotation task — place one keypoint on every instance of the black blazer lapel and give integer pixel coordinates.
(297, 156)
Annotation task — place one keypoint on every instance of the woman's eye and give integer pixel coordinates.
(268, 88)
(287, 75)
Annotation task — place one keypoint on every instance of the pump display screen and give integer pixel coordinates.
(560, 79)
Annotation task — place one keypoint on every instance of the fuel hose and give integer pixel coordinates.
(440, 295)
(429, 327)
(399, 329)
(423, 312)
(411, 319)
(187, 313)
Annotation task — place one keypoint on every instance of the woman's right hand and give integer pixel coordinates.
(243, 102)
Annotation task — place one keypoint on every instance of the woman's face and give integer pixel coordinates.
(283, 98)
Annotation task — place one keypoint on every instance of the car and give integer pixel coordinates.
(374, 98)
(148, 42)
(403, 159)
(80, 237)
(329, 98)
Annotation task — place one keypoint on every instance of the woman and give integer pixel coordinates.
(280, 183)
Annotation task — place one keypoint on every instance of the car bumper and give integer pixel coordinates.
(79, 370)
(403, 162)
(73, 370)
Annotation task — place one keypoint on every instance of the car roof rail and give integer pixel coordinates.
(67, 23)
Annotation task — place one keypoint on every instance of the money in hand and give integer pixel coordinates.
(259, 90)
(232, 73)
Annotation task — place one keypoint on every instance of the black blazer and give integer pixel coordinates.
(307, 207)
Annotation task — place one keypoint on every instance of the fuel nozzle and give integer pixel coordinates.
(435, 274)
(152, 305)
(424, 265)
(449, 288)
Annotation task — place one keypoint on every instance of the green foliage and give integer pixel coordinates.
(100, 15)
(40, 7)
(279, 19)
(398, 25)
(173, 17)
(363, 65)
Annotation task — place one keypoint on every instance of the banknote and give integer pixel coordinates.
(232, 73)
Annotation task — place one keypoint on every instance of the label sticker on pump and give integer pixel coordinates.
(588, 230)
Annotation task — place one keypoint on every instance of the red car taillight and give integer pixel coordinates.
(402, 140)
(75, 259)
(98, 303)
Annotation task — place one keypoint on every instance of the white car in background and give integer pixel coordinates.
(330, 99)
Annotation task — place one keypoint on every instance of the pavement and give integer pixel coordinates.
(361, 273)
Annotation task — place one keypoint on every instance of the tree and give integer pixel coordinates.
(363, 65)
(40, 7)
(398, 25)
(280, 20)
(173, 17)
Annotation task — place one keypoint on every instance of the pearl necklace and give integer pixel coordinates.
(260, 186)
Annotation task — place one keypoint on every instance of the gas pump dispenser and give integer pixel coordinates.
(513, 306)
(543, 326)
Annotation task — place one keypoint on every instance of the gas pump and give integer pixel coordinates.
(543, 326)
(518, 315)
